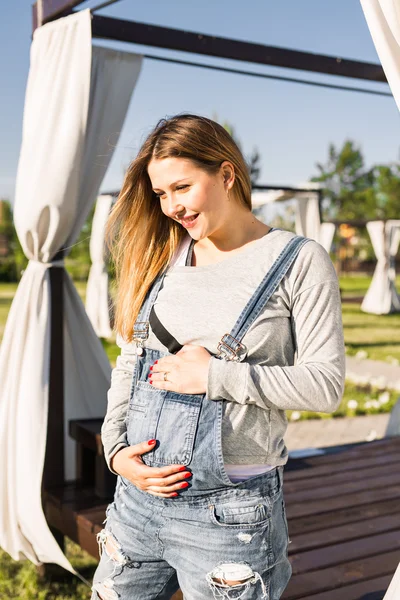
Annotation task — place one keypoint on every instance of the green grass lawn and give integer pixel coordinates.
(21, 581)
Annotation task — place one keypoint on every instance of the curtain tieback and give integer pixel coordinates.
(54, 263)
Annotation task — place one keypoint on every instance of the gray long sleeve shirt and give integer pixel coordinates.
(295, 360)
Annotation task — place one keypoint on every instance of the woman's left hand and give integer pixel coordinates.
(187, 371)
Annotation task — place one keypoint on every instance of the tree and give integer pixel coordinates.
(347, 184)
(12, 257)
(385, 191)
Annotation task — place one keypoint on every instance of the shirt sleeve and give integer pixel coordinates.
(315, 382)
(113, 431)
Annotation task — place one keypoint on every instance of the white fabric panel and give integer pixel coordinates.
(326, 233)
(308, 219)
(383, 18)
(382, 297)
(56, 106)
(97, 296)
(393, 426)
(393, 592)
(59, 174)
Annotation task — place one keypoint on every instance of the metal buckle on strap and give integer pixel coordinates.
(140, 335)
(230, 348)
(140, 331)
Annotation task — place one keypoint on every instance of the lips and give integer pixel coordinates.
(189, 219)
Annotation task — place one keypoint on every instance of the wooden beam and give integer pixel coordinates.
(52, 9)
(198, 43)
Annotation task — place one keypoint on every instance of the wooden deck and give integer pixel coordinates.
(343, 510)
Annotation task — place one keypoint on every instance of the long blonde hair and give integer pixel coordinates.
(141, 238)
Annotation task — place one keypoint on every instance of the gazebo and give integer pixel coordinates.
(77, 95)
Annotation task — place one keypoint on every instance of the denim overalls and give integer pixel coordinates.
(214, 526)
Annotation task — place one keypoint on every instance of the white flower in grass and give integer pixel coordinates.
(295, 416)
(375, 404)
(352, 404)
(372, 435)
(368, 404)
(362, 354)
(379, 382)
(383, 398)
(393, 361)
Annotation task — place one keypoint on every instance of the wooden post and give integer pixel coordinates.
(53, 471)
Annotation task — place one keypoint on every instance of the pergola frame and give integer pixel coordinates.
(122, 30)
(44, 11)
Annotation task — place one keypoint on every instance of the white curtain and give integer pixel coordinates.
(308, 219)
(69, 124)
(383, 18)
(382, 297)
(326, 233)
(393, 592)
(98, 300)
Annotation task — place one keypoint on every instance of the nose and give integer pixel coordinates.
(172, 208)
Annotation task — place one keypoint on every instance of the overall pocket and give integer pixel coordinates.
(169, 417)
(241, 513)
(176, 428)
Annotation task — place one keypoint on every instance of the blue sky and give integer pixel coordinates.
(290, 124)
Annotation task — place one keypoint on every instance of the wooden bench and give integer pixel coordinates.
(343, 511)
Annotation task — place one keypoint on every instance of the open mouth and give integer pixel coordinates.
(189, 221)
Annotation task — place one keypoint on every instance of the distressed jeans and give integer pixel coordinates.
(151, 546)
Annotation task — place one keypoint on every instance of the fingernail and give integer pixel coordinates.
(151, 442)
(185, 484)
(174, 494)
(156, 362)
(151, 382)
(187, 475)
(182, 469)
(151, 368)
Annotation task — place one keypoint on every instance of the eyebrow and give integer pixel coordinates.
(172, 184)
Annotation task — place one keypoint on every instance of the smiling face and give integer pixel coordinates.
(186, 190)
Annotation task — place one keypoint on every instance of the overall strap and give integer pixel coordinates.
(161, 333)
(230, 346)
(141, 327)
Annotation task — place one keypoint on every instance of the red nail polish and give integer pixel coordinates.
(185, 484)
(187, 475)
(174, 494)
(156, 362)
(151, 368)
(151, 382)
(151, 442)
(182, 469)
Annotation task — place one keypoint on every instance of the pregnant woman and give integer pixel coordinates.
(223, 324)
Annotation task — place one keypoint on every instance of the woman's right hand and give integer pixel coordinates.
(164, 482)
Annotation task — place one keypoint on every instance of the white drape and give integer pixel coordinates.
(68, 124)
(97, 295)
(383, 18)
(326, 233)
(382, 297)
(308, 219)
(393, 592)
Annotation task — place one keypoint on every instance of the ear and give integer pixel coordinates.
(228, 174)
